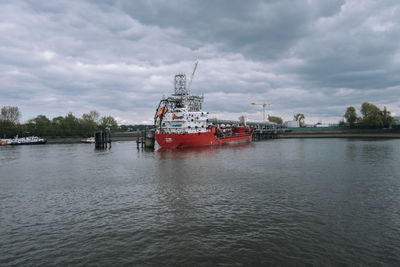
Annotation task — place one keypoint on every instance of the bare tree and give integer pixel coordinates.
(11, 114)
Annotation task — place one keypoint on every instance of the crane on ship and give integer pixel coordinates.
(191, 77)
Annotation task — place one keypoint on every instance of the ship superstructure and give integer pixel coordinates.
(181, 113)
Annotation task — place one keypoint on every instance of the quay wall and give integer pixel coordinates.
(342, 133)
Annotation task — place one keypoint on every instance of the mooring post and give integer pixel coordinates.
(109, 138)
(142, 141)
(139, 139)
(97, 139)
(102, 139)
(149, 139)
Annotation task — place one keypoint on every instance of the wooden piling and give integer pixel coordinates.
(149, 138)
(145, 139)
(103, 139)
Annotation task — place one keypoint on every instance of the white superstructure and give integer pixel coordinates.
(181, 113)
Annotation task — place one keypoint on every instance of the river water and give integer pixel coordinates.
(276, 202)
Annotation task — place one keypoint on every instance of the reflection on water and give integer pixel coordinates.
(279, 202)
(205, 149)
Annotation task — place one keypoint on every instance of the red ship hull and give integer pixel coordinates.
(199, 139)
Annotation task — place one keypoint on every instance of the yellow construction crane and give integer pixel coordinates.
(263, 106)
(269, 105)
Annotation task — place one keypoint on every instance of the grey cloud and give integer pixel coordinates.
(119, 57)
(259, 29)
(353, 49)
(326, 8)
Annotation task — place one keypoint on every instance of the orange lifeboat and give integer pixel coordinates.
(161, 111)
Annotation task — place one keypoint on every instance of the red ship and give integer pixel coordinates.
(180, 122)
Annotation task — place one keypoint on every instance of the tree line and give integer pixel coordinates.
(66, 126)
(372, 117)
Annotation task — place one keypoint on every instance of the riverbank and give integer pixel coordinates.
(129, 136)
(343, 133)
(337, 135)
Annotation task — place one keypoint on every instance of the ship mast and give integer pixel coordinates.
(182, 97)
(180, 85)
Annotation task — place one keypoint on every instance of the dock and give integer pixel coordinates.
(262, 131)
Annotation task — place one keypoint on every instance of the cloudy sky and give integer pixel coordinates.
(119, 57)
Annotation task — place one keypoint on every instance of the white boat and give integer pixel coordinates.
(30, 140)
(4, 142)
(88, 140)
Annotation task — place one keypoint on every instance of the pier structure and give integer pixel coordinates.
(146, 139)
(102, 139)
(262, 130)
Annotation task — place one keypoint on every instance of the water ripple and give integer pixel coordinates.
(284, 202)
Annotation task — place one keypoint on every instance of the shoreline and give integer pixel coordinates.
(344, 133)
(340, 135)
(370, 133)
(115, 137)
